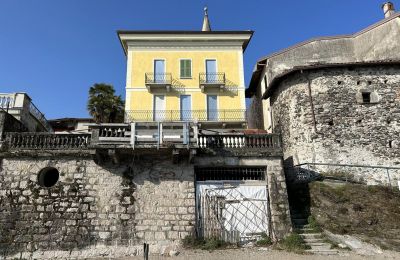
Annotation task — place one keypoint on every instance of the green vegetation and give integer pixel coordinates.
(312, 222)
(264, 241)
(205, 244)
(372, 213)
(103, 105)
(293, 243)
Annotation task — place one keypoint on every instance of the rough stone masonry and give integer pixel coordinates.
(347, 114)
(100, 208)
(94, 208)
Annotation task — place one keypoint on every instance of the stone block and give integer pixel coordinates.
(173, 235)
(182, 210)
(159, 236)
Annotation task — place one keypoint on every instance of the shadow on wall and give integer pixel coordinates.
(44, 215)
(153, 167)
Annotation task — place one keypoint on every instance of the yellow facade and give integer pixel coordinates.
(227, 61)
(143, 48)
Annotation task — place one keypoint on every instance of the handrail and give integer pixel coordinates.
(349, 165)
(212, 78)
(158, 78)
(7, 101)
(270, 141)
(223, 115)
(28, 140)
(387, 168)
(39, 116)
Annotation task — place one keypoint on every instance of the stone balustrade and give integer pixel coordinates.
(46, 141)
(240, 141)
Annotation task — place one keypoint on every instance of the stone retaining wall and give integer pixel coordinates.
(94, 208)
(322, 118)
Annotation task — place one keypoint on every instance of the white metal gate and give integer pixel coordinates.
(234, 211)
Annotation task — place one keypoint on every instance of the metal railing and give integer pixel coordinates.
(240, 141)
(221, 115)
(158, 78)
(35, 112)
(217, 78)
(46, 141)
(310, 172)
(7, 101)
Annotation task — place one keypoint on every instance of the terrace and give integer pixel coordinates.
(202, 115)
(20, 105)
(156, 135)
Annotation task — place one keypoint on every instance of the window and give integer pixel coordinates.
(186, 68)
(212, 108)
(186, 106)
(366, 97)
(159, 71)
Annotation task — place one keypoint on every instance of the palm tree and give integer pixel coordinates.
(103, 105)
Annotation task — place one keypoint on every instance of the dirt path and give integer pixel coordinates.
(256, 254)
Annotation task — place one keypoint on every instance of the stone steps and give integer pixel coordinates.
(314, 240)
(323, 252)
(299, 221)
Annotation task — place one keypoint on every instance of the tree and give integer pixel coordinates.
(103, 105)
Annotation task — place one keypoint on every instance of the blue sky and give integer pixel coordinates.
(55, 50)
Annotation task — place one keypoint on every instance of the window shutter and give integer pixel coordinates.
(182, 68)
(186, 68)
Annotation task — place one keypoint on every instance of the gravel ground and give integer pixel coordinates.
(257, 254)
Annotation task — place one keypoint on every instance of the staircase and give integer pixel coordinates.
(314, 240)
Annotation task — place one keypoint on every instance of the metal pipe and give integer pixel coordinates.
(349, 165)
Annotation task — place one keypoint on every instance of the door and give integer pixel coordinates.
(212, 108)
(211, 71)
(159, 71)
(232, 211)
(186, 107)
(159, 108)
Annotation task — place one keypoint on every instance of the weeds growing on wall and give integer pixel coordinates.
(264, 241)
(209, 244)
(292, 243)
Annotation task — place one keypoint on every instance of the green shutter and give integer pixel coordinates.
(186, 69)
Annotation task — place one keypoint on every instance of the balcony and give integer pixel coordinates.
(22, 108)
(46, 141)
(158, 81)
(209, 81)
(221, 115)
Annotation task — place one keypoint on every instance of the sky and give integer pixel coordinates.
(54, 50)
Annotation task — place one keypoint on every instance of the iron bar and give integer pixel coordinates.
(216, 78)
(222, 115)
(158, 78)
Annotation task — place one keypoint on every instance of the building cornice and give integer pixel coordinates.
(184, 38)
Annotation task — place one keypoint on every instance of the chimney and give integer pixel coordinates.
(388, 9)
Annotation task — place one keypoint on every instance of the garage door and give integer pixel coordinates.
(232, 203)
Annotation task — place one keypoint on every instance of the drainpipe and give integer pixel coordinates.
(269, 101)
(306, 75)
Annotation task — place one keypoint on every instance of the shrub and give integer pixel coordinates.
(201, 243)
(213, 243)
(192, 242)
(264, 241)
(312, 222)
(293, 243)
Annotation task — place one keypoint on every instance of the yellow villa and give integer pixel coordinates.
(185, 75)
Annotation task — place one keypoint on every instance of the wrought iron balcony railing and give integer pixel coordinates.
(158, 78)
(217, 78)
(221, 115)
